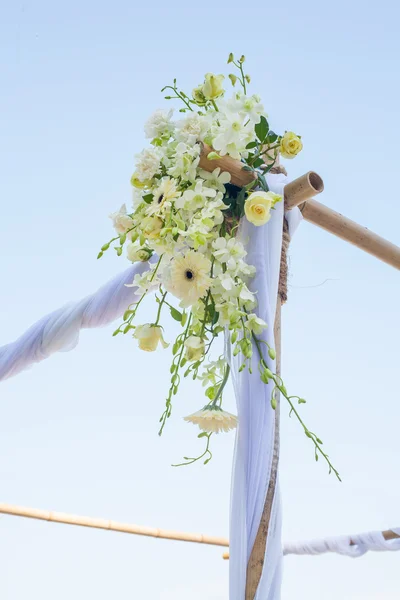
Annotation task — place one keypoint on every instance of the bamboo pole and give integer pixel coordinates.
(107, 525)
(300, 193)
(256, 560)
(346, 229)
(67, 519)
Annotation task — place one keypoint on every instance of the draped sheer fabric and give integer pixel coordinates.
(59, 330)
(361, 543)
(255, 435)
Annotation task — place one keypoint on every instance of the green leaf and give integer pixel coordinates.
(262, 129)
(148, 198)
(271, 137)
(257, 163)
(251, 145)
(203, 434)
(175, 314)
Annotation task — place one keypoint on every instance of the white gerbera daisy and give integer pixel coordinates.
(213, 419)
(189, 277)
(163, 196)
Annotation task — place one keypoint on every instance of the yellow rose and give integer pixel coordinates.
(258, 206)
(212, 87)
(151, 227)
(135, 181)
(149, 336)
(198, 96)
(194, 348)
(291, 145)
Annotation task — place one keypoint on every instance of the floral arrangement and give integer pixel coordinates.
(184, 222)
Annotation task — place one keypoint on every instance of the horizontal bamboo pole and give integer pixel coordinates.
(67, 519)
(300, 193)
(387, 535)
(107, 525)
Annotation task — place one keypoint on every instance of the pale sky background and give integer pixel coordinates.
(78, 433)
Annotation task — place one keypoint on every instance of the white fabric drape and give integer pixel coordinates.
(59, 331)
(255, 435)
(362, 543)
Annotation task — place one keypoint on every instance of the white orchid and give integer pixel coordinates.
(216, 180)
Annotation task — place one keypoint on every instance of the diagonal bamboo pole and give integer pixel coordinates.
(300, 193)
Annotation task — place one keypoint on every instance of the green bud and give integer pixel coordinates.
(183, 362)
(105, 247)
(236, 350)
(272, 353)
(230, 58)
(118, 250)
(264, 377)
(242, 59)
(211, 392)
(100, 254)
(134, 236)
(213, 156)
(273, 402)
(234, 336)
(269, 373)
(122, 238)
(242, 367)
(248, 78)
(233, 79)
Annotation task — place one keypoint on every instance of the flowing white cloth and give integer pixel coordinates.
(362, 543)
(59, 331)
(255, 435)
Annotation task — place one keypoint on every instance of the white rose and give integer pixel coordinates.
(149, 336)
(194, 348)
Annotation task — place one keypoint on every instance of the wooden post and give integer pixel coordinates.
(256, 560)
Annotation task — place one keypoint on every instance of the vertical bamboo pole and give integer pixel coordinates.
(256, 560)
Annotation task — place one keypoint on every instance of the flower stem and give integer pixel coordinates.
(279, 385)
(221, 387)
(159, 309)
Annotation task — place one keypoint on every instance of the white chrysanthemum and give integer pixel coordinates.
(147, 164)
(122, 222)
(159, 124)
(213, 419)
(164, 194)
(192, 129)
(189, 277)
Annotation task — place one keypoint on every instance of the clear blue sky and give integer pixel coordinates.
(78, 433)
